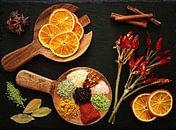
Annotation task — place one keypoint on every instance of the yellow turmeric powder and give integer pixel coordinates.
(67, 108)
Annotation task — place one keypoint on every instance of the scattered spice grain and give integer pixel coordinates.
(15, 95)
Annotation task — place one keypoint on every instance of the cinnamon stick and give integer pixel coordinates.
(137, 11)
(142, 23)
(134, 17)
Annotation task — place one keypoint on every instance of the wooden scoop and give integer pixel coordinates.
(15, 59)
(36, 82)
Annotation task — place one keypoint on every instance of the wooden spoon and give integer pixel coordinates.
(36, 82)
(17, 58)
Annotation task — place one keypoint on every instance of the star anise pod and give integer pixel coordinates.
(16, 22)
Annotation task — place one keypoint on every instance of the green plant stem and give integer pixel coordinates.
(117, 85)
(117, 106)
(132, 92)
(153, 55)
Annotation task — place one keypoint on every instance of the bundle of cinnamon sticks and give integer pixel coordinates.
(139, 18)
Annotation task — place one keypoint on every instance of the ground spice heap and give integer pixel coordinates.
(77, 77)
(92, 79)
(66, 88)
(67, 108)
(100, 88)
(82, 95)
(100, 102)
(15, 95)
(88, 113)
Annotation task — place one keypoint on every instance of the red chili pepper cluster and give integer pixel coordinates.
(162, 57)
(126, 45)
(128, 41)
(144, 65)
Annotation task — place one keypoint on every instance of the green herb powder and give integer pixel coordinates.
(14, 95)
(66, 89)
(100, 102)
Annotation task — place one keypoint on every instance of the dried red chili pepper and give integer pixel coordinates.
(164, 60)
(163, 81)
(148, 40)
(131, 61)
(143, 68)
(138, 61)
(162, 54)
(135, 42)
(158, 44)
(118, 41)
(122, 41)
(128, 42)
(150, 80)
(129, 34)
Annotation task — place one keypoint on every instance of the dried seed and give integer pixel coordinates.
(33, 105)
(22, 118)
(41, 112)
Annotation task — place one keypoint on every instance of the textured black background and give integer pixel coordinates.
(99, 55)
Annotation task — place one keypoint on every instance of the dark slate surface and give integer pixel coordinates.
(100, 56)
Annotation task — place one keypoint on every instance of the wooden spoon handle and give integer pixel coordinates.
(33, 81)
(17, 58)
(84, 20)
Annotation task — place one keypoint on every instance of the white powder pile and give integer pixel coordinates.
(100, 88)
(77, 77)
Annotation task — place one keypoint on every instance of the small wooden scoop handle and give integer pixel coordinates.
(33, 81)
(17, 58)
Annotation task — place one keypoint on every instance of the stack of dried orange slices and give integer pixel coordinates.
(147, 107)
(62, 34)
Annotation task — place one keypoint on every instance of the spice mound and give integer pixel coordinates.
(100, 88)
(100, 102)
(82, 95)
(16, 22)
(92, 79)
(67, 108)
(66, 89)
(88, 113)
(77, 77)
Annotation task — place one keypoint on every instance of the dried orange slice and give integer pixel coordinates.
(46, 33)
(63, 19)
(160, 102)
(78, 30)
(64, 44)
(140, 108)
(75, 17)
